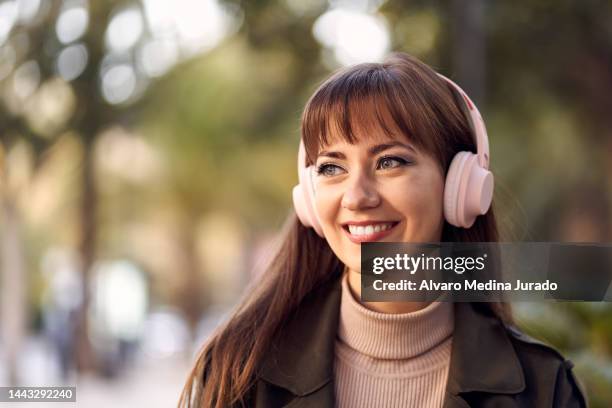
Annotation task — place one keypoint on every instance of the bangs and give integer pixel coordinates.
(369, 101)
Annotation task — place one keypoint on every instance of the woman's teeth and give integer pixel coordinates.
(368, 229)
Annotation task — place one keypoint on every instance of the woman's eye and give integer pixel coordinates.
(329, 170)
(391, 162)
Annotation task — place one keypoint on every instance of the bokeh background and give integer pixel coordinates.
(148, 153)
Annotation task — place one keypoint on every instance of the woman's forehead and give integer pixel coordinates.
(366, 141)
(361, 137)
(364, 136)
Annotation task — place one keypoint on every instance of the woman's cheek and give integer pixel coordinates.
(419, 200)
(325, 202)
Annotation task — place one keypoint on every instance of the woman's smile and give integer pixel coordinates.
(368, 231)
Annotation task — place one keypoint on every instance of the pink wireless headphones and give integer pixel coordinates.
(468, 190)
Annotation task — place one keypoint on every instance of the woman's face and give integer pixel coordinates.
(378, 189)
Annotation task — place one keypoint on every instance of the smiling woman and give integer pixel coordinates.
(390, 152)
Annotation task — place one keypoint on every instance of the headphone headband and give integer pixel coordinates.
(480, 131)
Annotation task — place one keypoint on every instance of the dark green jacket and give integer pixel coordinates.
(492, 365)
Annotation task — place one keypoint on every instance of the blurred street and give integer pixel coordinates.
(148, 382)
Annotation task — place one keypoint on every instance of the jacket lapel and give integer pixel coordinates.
(482, 358)
(301, 358)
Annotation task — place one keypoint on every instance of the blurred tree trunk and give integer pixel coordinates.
(90, 118)
(192, 295)
(468, 47)
(85, 358)
(13, 286)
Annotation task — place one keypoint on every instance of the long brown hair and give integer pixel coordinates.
(400, 94)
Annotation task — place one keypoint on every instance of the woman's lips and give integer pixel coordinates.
(375, 236)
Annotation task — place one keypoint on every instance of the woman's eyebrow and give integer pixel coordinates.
(373, 150)
(382, 147)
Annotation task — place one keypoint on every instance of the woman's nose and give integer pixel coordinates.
(360, 193)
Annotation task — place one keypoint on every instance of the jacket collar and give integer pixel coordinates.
(301, 358)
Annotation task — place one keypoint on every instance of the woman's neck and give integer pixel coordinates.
(354, 281)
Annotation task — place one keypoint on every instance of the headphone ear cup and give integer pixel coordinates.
(303, 194)
(308, 193)
(468, 191)
(303, 201)
(299, 204)
(451, 188)
(479, 193)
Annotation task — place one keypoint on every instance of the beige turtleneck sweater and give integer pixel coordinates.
(392, 360)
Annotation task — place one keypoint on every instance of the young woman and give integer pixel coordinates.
(384, 153)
